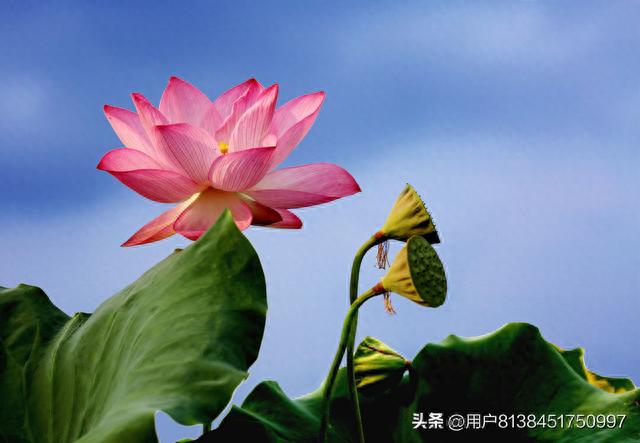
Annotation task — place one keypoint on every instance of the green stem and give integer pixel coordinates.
(353, 294)
(357, 261)
(333, 372)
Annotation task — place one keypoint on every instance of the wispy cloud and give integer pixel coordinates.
(24, 102)
(526, 34)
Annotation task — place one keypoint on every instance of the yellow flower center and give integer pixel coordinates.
(224, 147)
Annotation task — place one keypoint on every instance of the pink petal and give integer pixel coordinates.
(144, 175)
(295, 110)
(280, 198)
(188, 148)
(292, 121)
(128, 127)
(261, 215)
(182, 102)
(302, 186)
(240, 170)
(224, 103)
(252, 127)
(149, 115)
(160, 227)
(206, 210)
(289, 220)
(211, 120)
(238, 109)
(254, 91)
(126, 159)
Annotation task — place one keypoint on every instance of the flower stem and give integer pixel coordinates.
(353, 294)
(333, 372)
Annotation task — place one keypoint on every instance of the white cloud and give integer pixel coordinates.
(477, 34)
(23, 101)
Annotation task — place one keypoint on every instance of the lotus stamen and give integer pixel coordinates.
(382, 259)
(388, 307)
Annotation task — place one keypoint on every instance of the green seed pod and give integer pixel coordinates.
(417, 274)
(408, 217)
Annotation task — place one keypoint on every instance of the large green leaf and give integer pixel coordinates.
(180, 339)
(512, 371)
(575, 359)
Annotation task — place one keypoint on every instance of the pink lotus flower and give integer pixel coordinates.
(207, 156)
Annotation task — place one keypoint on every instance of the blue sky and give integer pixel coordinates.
(516, 121)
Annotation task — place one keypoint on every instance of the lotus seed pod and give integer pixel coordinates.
(417, 274)
(377, 367)
(408, 217)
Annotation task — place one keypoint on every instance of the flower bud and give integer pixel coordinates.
(408, 217)
(378, 367)
(417, 274)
